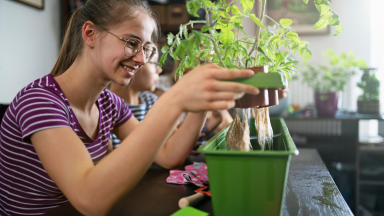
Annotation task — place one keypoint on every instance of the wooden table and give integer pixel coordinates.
(308, 189)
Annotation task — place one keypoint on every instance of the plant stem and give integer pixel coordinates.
(213, 39)
(273, 21)
(256, 44)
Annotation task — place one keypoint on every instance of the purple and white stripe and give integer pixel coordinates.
(25, 187)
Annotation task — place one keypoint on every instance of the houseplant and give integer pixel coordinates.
(330, 78)
(262, 175)
(369, 101)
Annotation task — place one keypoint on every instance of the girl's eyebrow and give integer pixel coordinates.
(134, 36)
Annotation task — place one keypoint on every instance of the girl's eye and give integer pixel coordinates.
(146, 49)
(132, 44)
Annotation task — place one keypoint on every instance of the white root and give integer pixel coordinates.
(237, 137)
(264, 128)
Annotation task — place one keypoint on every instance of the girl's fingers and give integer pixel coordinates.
(220, 105)
(212, 96)
(234, 87)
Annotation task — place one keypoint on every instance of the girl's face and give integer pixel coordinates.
(110, 56)
(148, 76)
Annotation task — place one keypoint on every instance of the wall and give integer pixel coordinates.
(29, 44)
(355, 17)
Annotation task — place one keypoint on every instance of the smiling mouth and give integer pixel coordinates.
(129, 70)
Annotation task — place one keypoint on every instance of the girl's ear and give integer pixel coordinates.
(89, 33)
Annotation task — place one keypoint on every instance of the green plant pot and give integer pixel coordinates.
(268, 84)
(249, 183)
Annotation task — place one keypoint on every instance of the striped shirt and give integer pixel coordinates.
(139, 111)
(25, 187)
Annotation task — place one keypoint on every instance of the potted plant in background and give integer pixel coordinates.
(262, 175)
(327, 80)
(369, 101)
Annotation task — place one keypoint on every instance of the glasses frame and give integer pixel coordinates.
(144, 47)
(155, 63)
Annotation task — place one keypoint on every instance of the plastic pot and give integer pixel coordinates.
(249, 183)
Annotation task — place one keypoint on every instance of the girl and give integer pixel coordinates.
(56, 130)
(138, 94)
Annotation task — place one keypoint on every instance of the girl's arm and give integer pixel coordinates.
(95, 189)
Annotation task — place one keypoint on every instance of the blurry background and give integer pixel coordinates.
(350, 145)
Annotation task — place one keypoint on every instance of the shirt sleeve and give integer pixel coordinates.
(40, 110)
(122, 109)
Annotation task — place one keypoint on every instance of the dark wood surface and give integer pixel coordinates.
(310, 191)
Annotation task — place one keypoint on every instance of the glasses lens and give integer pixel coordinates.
(149, 52)
(131, 47)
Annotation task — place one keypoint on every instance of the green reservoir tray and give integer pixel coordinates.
(249, 183)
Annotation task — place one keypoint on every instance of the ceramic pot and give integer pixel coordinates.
(368, 107)
(326, 103)
(265, 98)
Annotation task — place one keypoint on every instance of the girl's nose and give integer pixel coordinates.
(140, 57)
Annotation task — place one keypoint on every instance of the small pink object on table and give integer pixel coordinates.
(196, 174)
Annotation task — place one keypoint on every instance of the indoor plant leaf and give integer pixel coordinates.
(247, 5)
(286, 22)
(339, 29)
(256, 20)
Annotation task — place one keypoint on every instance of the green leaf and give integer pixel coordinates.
(224, 14)
(339, 29)
(164, 49)
(205, 28)
(256, 20)
(181, 31)
(279, 58)
(293, 36)
(236, 11)
(177, 41)
(323, 9)
(334, 20)
(208, 3)
(223, 21)
(294, 45)
(282, 42)
(226, 37)
(322, 23)
(170, 38)
(305, 1)
(198, 40)
(271, 55)
(162, 59)
(228, 9)
(238, 26)
(193, 7)
(318, 2)
(303, 44)
(247, 5)
(286, 22)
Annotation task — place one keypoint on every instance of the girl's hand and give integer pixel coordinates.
(202, 89)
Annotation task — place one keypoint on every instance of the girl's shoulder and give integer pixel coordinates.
(42, 89)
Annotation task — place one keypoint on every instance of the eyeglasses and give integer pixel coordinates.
(132, 46)
(155, 63)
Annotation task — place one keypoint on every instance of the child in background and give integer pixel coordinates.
(138, 94)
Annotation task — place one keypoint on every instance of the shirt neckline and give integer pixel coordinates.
(73, 114)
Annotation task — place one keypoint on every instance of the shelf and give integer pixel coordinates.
(371, 182)
(371, 149)
(371, 140)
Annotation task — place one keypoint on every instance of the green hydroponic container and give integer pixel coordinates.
(249, 183)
